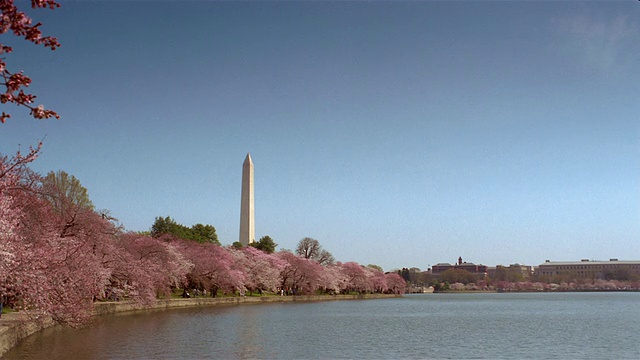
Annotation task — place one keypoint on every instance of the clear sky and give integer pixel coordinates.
(397, 134)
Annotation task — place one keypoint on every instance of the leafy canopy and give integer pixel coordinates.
(198, 232)
(60, 188)
(265, 244)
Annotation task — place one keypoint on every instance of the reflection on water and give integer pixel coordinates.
(460, 326)
(249, 339)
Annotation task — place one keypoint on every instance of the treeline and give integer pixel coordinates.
(538, 286)
(198, 232)
(58, 255)
(513, 280)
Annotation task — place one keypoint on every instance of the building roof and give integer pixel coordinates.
(591, 262)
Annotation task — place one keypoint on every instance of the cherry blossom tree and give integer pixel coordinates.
(156, 267)
(57, 262)
(58, 257)
(41, 271)
(53, 274)
(357, 279)
(17, 22)
(261, 270)
(10, 216)
(377, 279)
(333, 280)
(212, 266)
(14, 171)
(395, 283)
(301, 275)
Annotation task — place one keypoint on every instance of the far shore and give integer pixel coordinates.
(16, 326)
(531, 291)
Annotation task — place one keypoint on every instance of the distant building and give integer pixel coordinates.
(480, 270)
(525, 271)
(590, 269)
(440, 268)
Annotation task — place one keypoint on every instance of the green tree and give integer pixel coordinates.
(204, 233)
(198, 232)
(237, 245)
(405, 274)
(458, 276)
(414, 275)
(64, 191)
(507, 274)
(265, 244)
(426, 278)
(162, 226)
(377, 267)
(67, 197)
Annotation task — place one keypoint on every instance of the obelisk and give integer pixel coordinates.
(247, 213)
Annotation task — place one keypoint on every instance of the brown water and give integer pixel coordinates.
(454, 326)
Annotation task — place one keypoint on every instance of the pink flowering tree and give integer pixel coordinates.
(212, 266)
(156, 267)
(18, 23)
(60, 256)
(357, 279)
(48, 273)
(261, 270)
(395, 284)
(10, 216)
(300, 275)
(333, 280)
(377, 279)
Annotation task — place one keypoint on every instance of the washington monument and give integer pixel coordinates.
(247, 213)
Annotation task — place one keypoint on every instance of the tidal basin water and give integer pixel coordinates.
(425, 326)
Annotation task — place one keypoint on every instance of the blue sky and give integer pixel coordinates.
(398, 134)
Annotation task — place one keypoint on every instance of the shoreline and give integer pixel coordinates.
(15, 326)
(502, 291)
(106, 308)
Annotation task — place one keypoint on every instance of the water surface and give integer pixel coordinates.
(441, 326)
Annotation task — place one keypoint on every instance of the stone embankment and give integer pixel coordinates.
(16, 326)
(117, 307)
